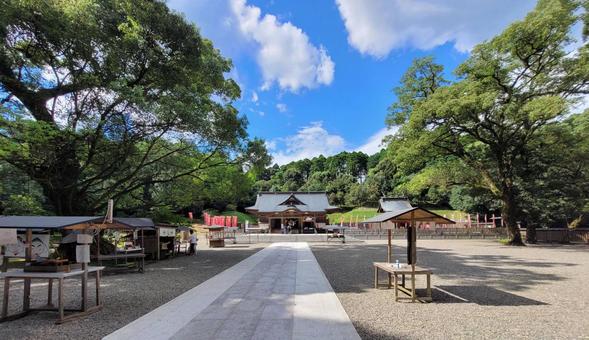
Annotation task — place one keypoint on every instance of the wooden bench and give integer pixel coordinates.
(393, 275)
(337, 236)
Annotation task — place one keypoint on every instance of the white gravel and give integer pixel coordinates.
(533, 292)
(482, 290)
(126, 296)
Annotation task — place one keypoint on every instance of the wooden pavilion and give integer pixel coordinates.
(408, 217)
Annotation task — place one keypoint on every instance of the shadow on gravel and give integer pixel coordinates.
(372, 334)
(481, 295)
(349, 269)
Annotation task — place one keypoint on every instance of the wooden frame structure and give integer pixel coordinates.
(407, 217)
(216, 236)
(83, 224)
(59, 277)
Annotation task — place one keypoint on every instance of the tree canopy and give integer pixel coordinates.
(509, 94)
(100, 98)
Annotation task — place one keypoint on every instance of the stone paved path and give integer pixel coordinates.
(278, 293)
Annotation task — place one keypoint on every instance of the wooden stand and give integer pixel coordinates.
(216, 236)
(403, 271)
(60, 277)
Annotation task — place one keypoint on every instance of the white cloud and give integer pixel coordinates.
(254, 97)
(374, 143)
(376, 27)
(285, 54)
(270, 145)
(262, 113)
(314, 140)
(281, 107)
(309, 141)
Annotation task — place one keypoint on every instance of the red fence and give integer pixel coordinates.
(224, 221)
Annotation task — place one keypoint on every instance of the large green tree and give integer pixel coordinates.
(98, 95)
(508, 89)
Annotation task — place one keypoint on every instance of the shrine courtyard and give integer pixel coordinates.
(481, 289)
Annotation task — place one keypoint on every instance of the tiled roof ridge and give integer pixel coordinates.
(291, 192)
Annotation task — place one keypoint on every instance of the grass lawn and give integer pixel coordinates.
(447, 212)
(361, 213)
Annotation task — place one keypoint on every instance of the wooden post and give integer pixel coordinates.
(4, 265)
(5, 299)
(414, 240)
(84, 283)
(98, 303)
(157, 242)
(390, 247)
(429, 286)
(28, 254)
(60, 299)
(50, 293)
(396, 287)
(84, 286)
(408, 236)
(98, 248)
(413, 255)
(413, 294)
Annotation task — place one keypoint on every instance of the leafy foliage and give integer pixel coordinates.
(104, 97)
(511, 92)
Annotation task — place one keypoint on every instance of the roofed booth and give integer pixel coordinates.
(401, 215)
(56, 248)
(292, 212)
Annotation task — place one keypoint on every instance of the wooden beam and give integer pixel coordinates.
(413, 240)
(390, 247)
(26, 304)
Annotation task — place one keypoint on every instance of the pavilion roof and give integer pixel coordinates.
(63, 222)
(404, 215)
(386, 204)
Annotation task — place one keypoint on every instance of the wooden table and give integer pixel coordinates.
(139, 259)
(60, 277)
(394, 272)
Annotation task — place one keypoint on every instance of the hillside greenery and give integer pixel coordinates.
(126, 100)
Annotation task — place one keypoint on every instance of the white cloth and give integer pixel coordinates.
(8, 236)
(193, 239)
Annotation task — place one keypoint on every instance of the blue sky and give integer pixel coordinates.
(317, 76)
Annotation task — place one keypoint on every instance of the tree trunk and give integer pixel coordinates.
(509, 215)
(59, 177)
(66, 201)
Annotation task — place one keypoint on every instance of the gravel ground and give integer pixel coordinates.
(482, 290)
(126, 296)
